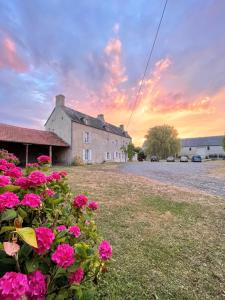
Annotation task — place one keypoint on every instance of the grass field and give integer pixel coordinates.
(167, 243)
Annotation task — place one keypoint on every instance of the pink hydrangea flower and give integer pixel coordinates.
(75, 230)
(15, 172)
(31, 200)
(37, 286)
(3, 168)
(11, 165)
(61, 227)
(105, 250)
(48, 193)
(80, 201)
(44, 159)
(64, 256)
(3, 162)
(13, 286)
(23, 182)
(93, 205)
(8, 200)
(32, 165)
(36, 178)
(4, 180)
(45, 238)
(63, 173)
(54, 176)
(77, 276)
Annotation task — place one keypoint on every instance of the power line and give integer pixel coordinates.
(148, 61)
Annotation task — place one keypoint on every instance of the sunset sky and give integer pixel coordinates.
(94, 52)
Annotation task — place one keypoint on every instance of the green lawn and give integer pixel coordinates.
(167, 243)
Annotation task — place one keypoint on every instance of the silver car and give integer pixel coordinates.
(183, 159)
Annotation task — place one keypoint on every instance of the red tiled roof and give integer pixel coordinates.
(10, 133)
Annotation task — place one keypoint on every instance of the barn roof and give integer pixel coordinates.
(203, 141)
(87, 120)
(10, 133)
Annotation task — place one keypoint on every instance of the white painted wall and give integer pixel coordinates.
(203, 151)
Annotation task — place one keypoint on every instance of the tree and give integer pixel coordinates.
(224, 143)
(140, 153)
(129, 151)
(162, 141)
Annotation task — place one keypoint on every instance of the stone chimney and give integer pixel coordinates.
(122, 127)
(101, 117)
(60, 100)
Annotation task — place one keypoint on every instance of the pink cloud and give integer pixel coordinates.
(9, 57)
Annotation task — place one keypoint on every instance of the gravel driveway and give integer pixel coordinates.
(188, 175)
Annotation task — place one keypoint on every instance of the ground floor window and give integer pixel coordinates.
(108, 156)
(87, 154)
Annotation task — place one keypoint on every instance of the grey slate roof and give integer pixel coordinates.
(80, 118)
(203, 141)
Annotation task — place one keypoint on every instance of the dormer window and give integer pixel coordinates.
(84, 120)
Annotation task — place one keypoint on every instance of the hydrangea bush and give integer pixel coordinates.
(49, 244)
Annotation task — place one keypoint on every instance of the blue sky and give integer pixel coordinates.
(95, 52)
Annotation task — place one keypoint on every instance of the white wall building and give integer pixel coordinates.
(204, 146)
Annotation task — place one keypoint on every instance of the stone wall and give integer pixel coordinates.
(102, 145)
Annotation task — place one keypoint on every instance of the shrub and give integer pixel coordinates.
(78, 161)
(49, 244)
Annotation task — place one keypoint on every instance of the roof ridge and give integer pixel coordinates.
(203, 137)
(4, 124)
(96, 122)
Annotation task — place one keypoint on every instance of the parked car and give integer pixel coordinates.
(170, 159)
(154, 158)
(196, 158)
(183, 159)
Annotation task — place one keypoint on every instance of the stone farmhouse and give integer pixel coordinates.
(204, 146)
(68, 135)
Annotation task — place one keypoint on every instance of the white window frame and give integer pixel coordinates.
(86, 137)
(108, 156)
(87, 155)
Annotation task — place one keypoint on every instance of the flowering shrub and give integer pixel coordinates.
(49, 244)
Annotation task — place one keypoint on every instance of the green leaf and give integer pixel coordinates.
(60, 272)
(8, 214)
(28, 235)
(7, 228)
(31, 265)
(51, 297)
(78, 290)
(25, 251)
(62, 295)
(73, 267)
(22, 212)
(10, 188)
(61, 234)
(53, 201)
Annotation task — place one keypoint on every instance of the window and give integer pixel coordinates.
(108, 156)
(86, 137)
(86, 154)
(208, 147)
(190, 149)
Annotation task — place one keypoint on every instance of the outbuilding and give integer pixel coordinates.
(27, 143)
(211, 146)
